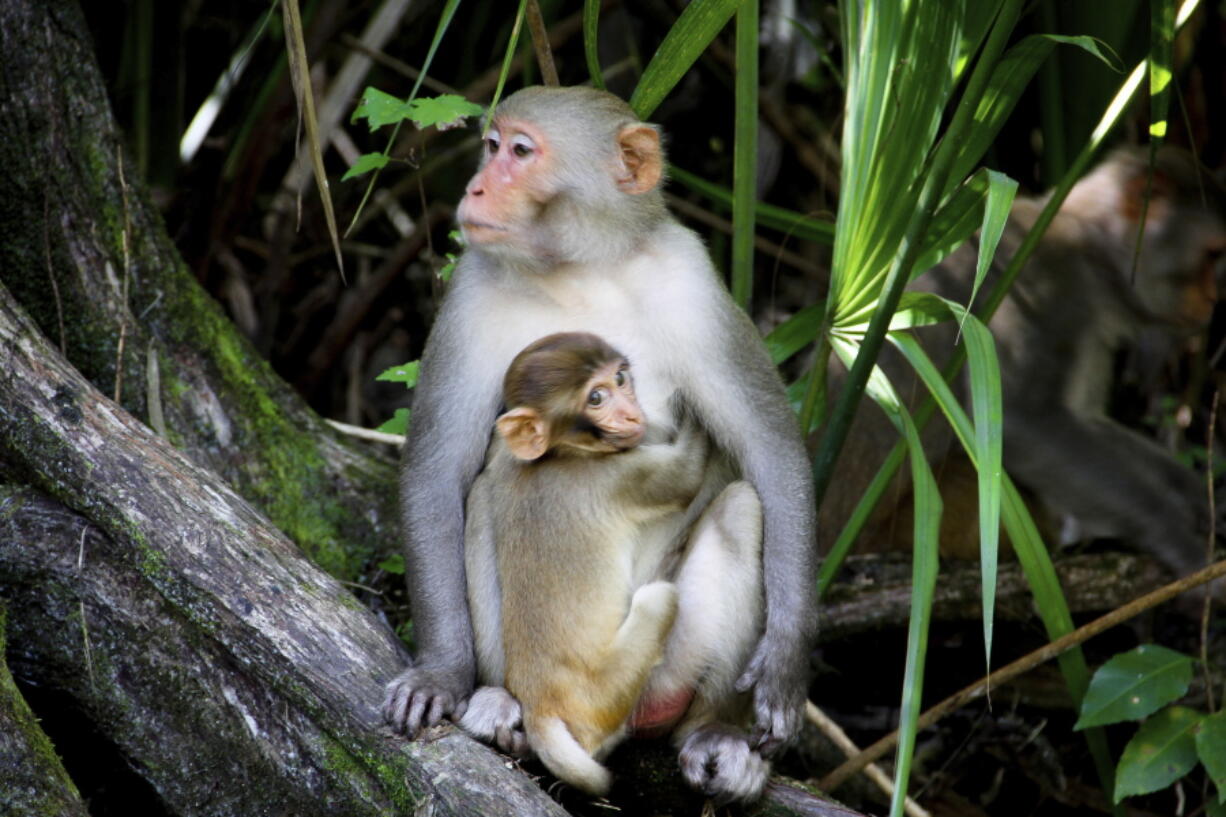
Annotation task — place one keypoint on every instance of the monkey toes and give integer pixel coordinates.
(494, 716)
(718, 761)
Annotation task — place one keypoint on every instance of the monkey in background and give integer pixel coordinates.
(556, 514)
(566, 229)
(1076, 303)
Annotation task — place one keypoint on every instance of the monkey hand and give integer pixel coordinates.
(778, 682)
(421, 696)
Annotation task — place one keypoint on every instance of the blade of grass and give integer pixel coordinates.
(745, 153)
(688, 37)
(591, 28)
(767, 215)
(300, 72)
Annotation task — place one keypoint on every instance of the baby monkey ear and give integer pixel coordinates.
(641, 158)
(525, 433)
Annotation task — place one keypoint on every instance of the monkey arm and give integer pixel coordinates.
(738, 396)
(453, 413)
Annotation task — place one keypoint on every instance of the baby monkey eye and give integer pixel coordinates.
(596, 398)
(620, 378)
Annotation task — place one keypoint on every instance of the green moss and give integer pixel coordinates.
(391, 776)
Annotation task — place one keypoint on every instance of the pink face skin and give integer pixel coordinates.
(504, 195)
(612, 406)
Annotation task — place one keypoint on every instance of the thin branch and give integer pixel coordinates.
(540, 42)
(1024, 664)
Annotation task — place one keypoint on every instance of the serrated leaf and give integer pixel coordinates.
(446, 111)
(1135, 684)
(1211, 748)
(1162, 751)
(399, 424)
(405, 373)
(393, 564)
(365, 163)
(380, 108)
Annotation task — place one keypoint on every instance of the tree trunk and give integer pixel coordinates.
(233, 674)
(88, 257)
(35, 781)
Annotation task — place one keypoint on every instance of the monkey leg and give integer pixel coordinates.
(719, 621)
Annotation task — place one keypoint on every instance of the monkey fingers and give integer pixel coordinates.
(718, 761)
(414, 701)
(778, 700)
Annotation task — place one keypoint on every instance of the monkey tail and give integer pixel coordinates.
(564, 756)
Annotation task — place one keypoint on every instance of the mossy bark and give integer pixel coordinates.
(35, 781)
(87, 256)
(235, 676)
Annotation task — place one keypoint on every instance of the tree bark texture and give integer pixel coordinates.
(235, 676)
(88, 257)
(35, 781)
(874, 591)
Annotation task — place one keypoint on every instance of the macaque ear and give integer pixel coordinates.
(642, 160)
(1161, 192)
(524, 431)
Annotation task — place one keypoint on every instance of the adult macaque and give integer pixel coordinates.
(567, 230)
(1076, 304)
(554, 523)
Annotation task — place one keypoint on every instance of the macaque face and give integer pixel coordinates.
(509, 189)
(611, 406)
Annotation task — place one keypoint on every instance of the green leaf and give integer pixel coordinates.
(1211, 747)
(399, 424)
(1213, 809)
(1135, 684)
(1162, 751)
(380, 108)
(406, 374)
(688, 37)
(745, 154)
(365, 163)
(766, 215)
(591, 25)
(393, 564)
(796, 332)
(445, 111)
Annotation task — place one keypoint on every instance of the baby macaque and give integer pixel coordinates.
(566, 492)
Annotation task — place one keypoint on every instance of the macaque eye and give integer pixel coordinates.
(596, 398)
(491, 144)
(522, 147)
(620, 378)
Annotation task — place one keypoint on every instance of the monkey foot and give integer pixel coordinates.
(718, 761)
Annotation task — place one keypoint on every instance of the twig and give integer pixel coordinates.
(1208, 605)
(540, 42)
(1010, 671)
(127, 270)
(874, 773)
(366, 433)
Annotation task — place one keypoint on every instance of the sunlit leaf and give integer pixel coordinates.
(406, 374)
(380, 108)
(1211, 748)
(1135, 684)
(445, 111)
(393, 564)
(796, 332)
(1162, 751)
(399, 424)
(365, 163)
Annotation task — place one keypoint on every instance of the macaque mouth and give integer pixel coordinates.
(481, 225)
